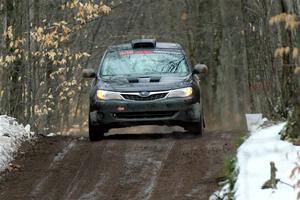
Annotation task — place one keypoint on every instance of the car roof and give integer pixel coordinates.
(159, 45)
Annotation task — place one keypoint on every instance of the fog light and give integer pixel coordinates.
(100, 116)
(120, 108)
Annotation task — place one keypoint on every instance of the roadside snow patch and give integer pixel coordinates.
(253, 165)
(12, 135)
(222, 193)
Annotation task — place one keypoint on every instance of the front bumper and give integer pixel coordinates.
(173, 111)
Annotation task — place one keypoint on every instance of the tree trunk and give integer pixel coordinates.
(293, 127)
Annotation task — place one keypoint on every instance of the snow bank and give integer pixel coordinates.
(222, 193)
(11, 136)
(254, 157)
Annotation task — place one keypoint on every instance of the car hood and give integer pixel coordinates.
(149, 83)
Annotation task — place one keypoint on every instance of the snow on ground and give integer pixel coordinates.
(253, 167)
(254, 157)
(12, 135)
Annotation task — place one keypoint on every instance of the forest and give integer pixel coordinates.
(49, 149)
(250, 47)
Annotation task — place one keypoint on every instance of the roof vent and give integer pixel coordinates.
(143, 43)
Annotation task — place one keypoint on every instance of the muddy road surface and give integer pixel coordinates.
(123, 166)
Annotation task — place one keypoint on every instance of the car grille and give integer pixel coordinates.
(137, 97)
(144, 115)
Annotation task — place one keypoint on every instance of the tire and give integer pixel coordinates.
(197, 128)
(96, 133)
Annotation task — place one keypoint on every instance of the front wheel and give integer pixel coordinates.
(196, 128)
(96, 133)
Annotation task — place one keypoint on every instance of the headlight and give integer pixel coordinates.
(107, 95)
(184, 92)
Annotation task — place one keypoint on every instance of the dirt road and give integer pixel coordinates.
(144, 166)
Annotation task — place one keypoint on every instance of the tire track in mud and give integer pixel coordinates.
(190, 171)
(64, 176)
(98, 172)
(60, 156)
(143, 163)
(139, 166)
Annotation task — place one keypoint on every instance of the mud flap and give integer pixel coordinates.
(195, 113)
(94, 118)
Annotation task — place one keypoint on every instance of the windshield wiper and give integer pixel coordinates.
(172, 66)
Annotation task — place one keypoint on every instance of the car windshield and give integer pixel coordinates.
(143, 62)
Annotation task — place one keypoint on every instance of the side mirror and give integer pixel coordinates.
(200, 69)
(89, 73)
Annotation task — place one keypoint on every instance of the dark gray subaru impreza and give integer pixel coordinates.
(144, 83)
